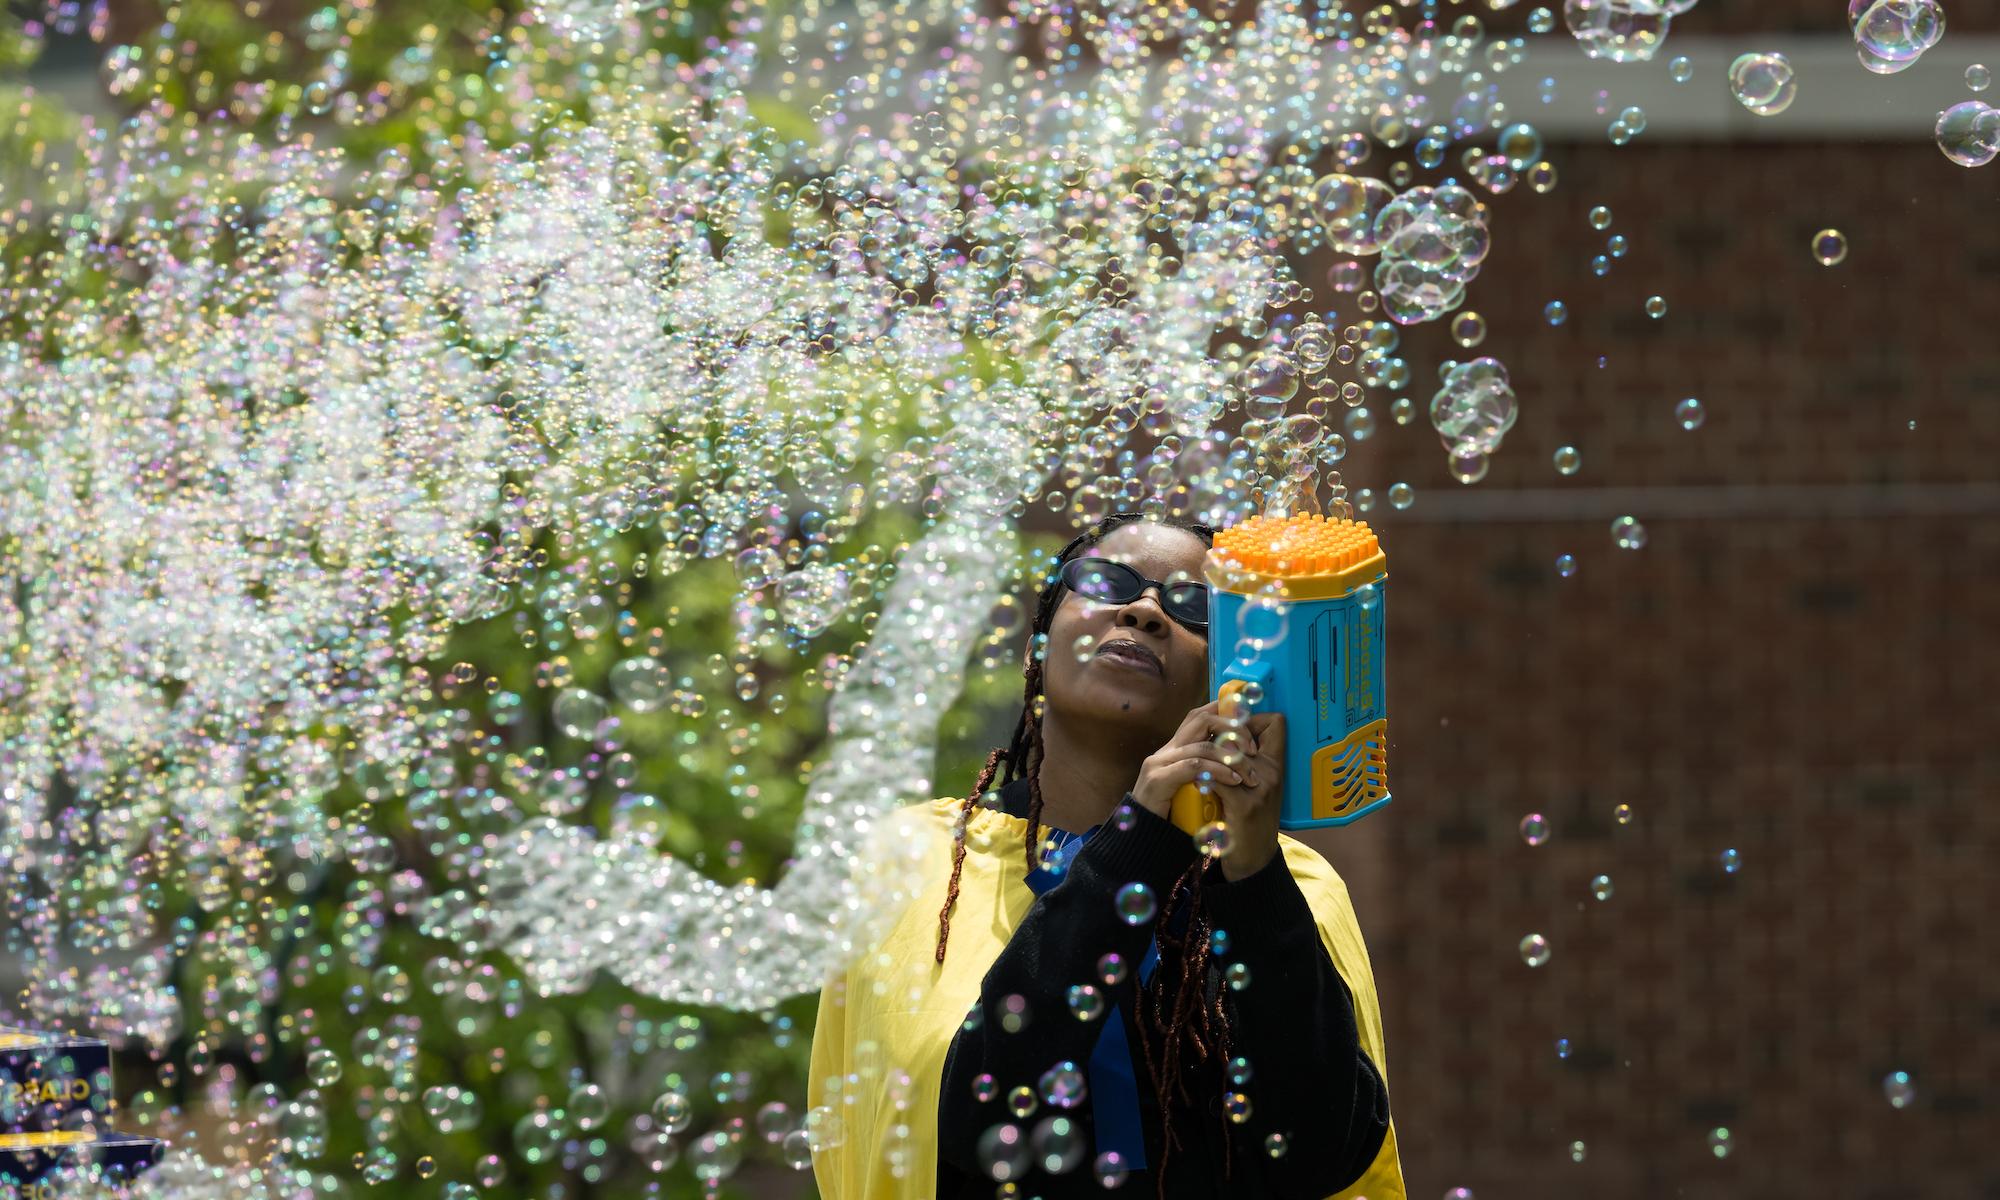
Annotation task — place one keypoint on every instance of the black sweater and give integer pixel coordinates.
(1310, 1079)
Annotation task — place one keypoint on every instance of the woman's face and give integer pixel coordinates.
(1141, 671)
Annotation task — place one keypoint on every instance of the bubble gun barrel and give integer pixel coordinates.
(1296, 627)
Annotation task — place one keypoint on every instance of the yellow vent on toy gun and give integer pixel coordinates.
(1300, 557)
(1353, 773)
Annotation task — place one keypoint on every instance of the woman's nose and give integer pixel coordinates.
(1143, 612)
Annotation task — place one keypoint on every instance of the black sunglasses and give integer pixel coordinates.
(1110, 582)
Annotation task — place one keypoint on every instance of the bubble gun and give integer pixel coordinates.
(1295, 627)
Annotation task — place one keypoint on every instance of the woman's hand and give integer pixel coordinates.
(1250, 807)
(1190, 756)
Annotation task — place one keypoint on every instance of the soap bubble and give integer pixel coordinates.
(1600, 887)
(1732, 861)
(1111, 969)
(1003, 1153)
(1469, 463)
(1978, 77)
(1556, 311)
(1628, 534)
(1534, 829)
(1898, 1088)
(1568, 460)
(1969, 133)
(1763, 83)
(1059, 1143)
(1656, 307)
(1086, 1003)
(1535, 950)
(1134, 903)
(1401, 496)
(1690, 413)
(1468, 329)
(1719, 1142)
(1213, 840)
(1680, 69)
(1062, 1086)
(1829, 247)
(1566, 565)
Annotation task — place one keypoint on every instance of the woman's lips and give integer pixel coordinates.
(1129, 654)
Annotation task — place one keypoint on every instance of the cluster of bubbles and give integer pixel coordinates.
(1891, 35)
(1622, 30)
(807, 308)
(1472, 411)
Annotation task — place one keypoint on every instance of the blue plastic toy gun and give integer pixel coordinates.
(1295, 626)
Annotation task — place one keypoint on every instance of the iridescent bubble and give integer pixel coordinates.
(1566, 565)
(1680, 69)
(1086, 1003)
(1690, 413)
(1969, 133)
(1732, 861)
(1401, 496)
(1110, 1170)
(1568, 460)
(1062, 1085)
(1468, 329)
(323, 1068)
(1535, 950)
(1003, 1153)
(1628, 534)
(1276, 1145)
(1237, 976)
(1469, 463)
(1899, 1089)
(1556, 312)
(1719, 1142)
(1763, 83)
(1656, 307)
(1600, 217)
(1534, 829)
(1111, 969)
(1978, 77)
(1562, 1048)
(1059, 1143)
(1577, 1151)
(673, 1110)
(1023, 1101)
(1600, 887)
(1213, 840)
(1520, 145)
(1623, 814)
(1134, 903)
(1829, 247)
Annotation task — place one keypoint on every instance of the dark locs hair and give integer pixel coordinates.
(1182, 1012)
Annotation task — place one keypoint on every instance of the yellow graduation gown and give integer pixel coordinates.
(887, 1018)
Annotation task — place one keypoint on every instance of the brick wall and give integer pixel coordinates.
(1805, 675)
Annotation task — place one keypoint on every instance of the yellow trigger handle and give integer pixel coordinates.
(1192, 810)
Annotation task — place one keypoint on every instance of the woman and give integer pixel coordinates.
(1110, 1005)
